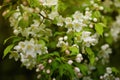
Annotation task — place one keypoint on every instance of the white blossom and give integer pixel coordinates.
(108, 70)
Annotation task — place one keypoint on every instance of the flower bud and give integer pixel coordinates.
(70, 62)
(65, 37)
(38, 76)
(67, 52)
(76, 69)
(49, 61)
(78, 60)
(48, 71)
(95, 19)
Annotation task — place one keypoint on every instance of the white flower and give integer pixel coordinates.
(106, 49)
(68, 20)
(27, 61)
(105, 46)
(87, 15)
(78, 16)
(77, 26)
(53, 14)
(60, 38)
(79, 58)
(37, 48)
(25, 32)
(88, 39)
(20, 46)
(49, 2)
(36, 23)
(60, 21)
(16, 15)
(108, 70)
(15, 55)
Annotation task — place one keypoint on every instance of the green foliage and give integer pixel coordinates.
(99, 27)
(13, 39)
(74, 50)
(8, 49)
(34, 3)
(91, 55)
(116, 71)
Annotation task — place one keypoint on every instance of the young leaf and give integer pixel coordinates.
(74, 50)
(97, 14)
(7, 50)
(99, 28)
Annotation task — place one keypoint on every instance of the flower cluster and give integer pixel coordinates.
(28, 50)
(104, 54)
(109, 75)
(60, 44)
(115, 29)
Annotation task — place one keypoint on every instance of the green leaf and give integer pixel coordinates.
(7, 50)
(96, 14)
(34, 3)
(55, 54)
(91, 55)
(9, 14)
(59, 33)
(13, 39)
(55, 65)
(83, 69)
(69, 69)
(61, 7)
(99, 28)
(74, 50)
(42, 42)
(61, 70)
(5, 41)
(116, 71)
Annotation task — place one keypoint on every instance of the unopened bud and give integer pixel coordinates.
(49, 61)
(77, 70)
(67, 52)
(48, 71)
(70, 62)
(95, 19)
